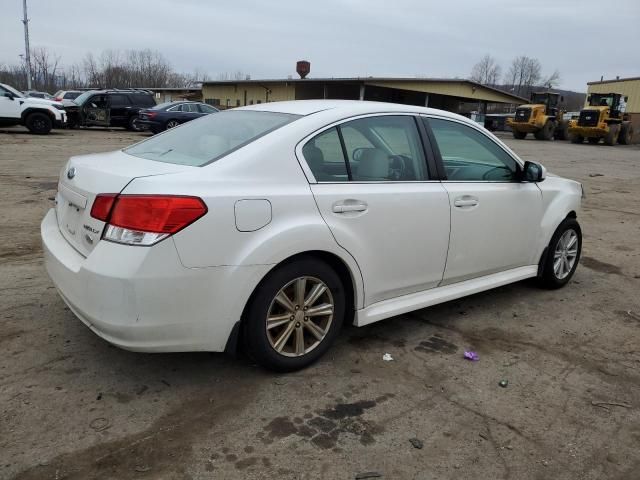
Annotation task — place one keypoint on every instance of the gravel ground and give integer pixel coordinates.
(73, 407)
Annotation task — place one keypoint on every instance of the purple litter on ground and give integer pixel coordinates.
(473, 356)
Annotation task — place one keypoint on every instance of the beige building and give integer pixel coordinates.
(446, 94)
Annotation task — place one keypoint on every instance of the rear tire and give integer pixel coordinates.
(563, 255)
(562, 132)
(574, 138)
(519, 135)
(626, 134)
(294, 340)
(171, 124)
(611, 138)
(546, 132)
(38, 123)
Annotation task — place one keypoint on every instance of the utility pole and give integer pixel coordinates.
(27, 52)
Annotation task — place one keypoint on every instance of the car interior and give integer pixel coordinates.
(376, 150)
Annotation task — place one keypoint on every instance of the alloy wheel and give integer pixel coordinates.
(299, 316)
(172, 124)
(565, 254)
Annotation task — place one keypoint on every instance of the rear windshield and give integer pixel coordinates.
(71, 95)
(204, 141)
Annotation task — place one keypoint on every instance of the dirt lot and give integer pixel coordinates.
(71, 406)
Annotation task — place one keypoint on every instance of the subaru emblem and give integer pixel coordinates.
(71, 173)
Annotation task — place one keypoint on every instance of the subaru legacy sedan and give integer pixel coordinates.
(267, 227)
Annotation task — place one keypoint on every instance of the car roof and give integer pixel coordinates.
(345, 107)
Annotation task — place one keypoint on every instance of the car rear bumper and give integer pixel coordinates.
(142, 298)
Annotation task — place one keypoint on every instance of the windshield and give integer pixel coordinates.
(80, 99)
(601, 100)
(204, 141)
(15, 92)
(539, 98)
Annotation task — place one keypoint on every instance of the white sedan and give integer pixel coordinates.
(268, 226)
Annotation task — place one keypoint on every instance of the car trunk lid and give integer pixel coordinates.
(84, 177)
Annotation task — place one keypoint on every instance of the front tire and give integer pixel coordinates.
(39, 123)
(294, 315)
(519, 135)
(546, 132)
(611, 138)
(626, 134)
(563, 255)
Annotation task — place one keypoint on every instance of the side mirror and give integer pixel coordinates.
(9, 95)
(533, 172)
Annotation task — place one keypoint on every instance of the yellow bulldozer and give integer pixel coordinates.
(543, 117)
(604, 118)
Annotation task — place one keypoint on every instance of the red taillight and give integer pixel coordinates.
(102, 206)
(57, 99)
(150, 114)
(156, 213)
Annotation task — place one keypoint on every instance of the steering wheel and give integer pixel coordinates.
(397, 167)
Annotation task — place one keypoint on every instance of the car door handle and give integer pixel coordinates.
(465, 201)
(349, 207)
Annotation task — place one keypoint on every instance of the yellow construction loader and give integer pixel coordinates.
(604, 118)
(543, 117)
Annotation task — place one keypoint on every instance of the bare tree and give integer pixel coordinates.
(44, 66)
(486, 71)
(523, 73)
(552, 80)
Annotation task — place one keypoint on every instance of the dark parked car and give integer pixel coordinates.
(171, 114)
(109, 108)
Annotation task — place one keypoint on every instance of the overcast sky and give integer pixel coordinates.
(584, 39)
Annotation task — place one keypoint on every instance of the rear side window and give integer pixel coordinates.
(119, 101)
(206, 108)
(373, 149)
(142, 100)
(210, 138)
(324, 156)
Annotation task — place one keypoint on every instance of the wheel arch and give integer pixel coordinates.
(348, 277)
(31, 110)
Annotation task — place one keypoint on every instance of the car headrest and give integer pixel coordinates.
(374, 165)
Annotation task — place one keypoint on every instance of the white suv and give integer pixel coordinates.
(270, 225)
(37, 114)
